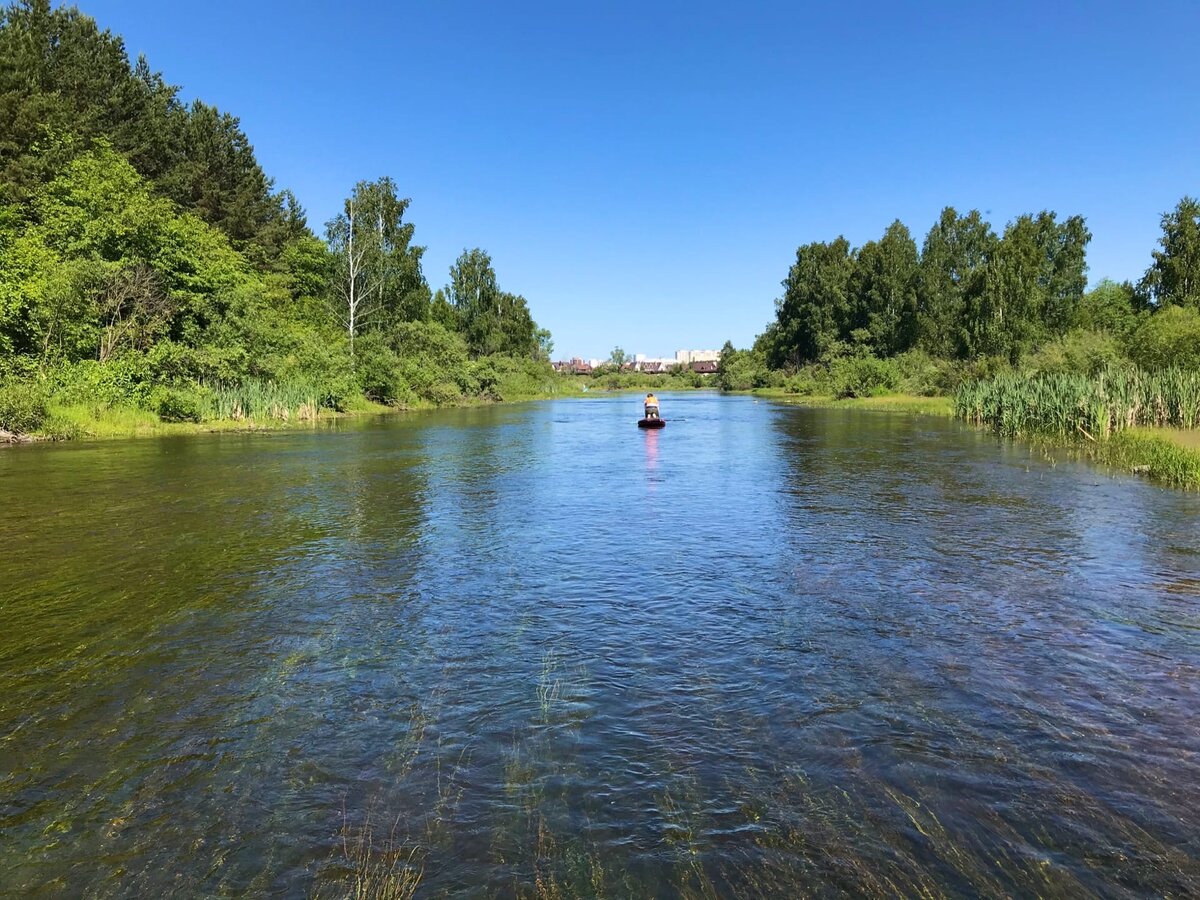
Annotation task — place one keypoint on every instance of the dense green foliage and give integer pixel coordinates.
(147, 262)
(968, 293)
(971, 304)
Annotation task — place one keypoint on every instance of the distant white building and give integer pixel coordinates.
(698, 360)
(643, 363)
(690, 356)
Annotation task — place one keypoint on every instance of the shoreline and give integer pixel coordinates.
(126, 423)
(907, 403)
(1163, 457)
(75, 424)
(1168, 457)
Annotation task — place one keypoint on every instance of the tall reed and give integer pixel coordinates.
(1075, 406)
(259, 399)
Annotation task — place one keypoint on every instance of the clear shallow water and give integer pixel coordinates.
(766, 651)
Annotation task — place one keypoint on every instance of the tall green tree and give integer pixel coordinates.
(952, 261)
(493, 321)
(545, 344)
(65, 84)
(1064, 272)
(1033, 281)
(884, 291)
(378, 277)
(219, 179)
(815, 311)
(62, 83)
(1173, 279)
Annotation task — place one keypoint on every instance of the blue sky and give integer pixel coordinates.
(643, 172)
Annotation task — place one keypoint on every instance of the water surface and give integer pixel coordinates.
(531, 649)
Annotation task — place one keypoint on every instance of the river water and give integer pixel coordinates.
(532, 650)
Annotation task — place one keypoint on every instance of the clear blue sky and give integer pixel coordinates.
(643, 172)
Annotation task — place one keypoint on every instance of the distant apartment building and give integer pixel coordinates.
(693, 356)
(702, 361)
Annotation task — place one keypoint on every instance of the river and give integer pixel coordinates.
(530, 649)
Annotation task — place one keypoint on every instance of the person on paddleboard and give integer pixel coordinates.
(651, 406)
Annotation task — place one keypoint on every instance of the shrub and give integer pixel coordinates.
(926, 376)
(1170, 337)
(443, 393)
(743, 370)
(432, 362)
(984, 367)
(336, 393)
(377, 369)
(863, 376)
(1078, 352)
(125, 380)
(179, 404)
(807, 381)
(1109, 307)
(512, 378)
(22, 407)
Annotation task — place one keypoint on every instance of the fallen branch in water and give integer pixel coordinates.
(14, 437)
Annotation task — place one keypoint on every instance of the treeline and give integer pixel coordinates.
(147, 261)
(972, 303)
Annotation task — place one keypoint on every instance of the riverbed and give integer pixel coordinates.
(524, 649)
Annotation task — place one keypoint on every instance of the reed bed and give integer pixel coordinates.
(1077, 406)
(259, 399)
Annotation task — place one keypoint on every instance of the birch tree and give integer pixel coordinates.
(1174, 277)
(379, 271)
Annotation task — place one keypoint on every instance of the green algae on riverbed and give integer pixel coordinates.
(884, 654)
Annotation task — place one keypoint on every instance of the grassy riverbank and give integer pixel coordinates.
(41, 419)
(81, 422)
(910, 403)
(1136, 421)
(1166, 457)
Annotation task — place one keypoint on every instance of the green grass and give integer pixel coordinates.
(256, 406)
(1184, 437)
(1135, 421)
(104, 422)
(1078, 406)
(909, 403)
(1161, 457)
(253, 409)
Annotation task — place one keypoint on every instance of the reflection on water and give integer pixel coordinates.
(539, 650)
(650, 439)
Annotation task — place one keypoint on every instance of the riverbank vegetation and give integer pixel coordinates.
(1003, 323)
(1127, 418)
(608, 378)
(149, 268)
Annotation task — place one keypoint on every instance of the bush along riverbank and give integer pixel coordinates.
(112, 404)
(1126, 418)
(153, 279)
